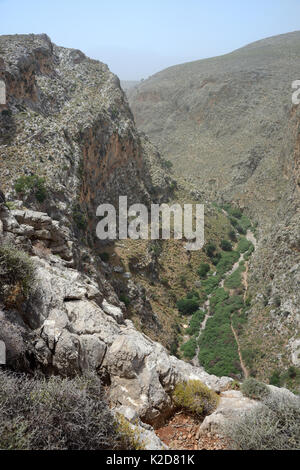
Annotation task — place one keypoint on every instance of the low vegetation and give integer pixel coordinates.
(79, 217)
(226, 262)
(32, 184)
(235, 279)
(252, 388)
(16, 274)
(218, 350)
(194, 397)
(188, 306)
(56, 413)
(195, 323)
(204, 268)
(273, 425)
(189, 348)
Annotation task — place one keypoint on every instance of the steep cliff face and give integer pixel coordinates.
(68, 139)
(67, 120)
(228, 124)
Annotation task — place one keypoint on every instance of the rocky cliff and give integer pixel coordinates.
(228, 124)
(67, 143)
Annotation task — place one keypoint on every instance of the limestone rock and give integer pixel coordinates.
(113, 311)
(232, 403)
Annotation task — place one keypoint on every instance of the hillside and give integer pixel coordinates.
(229, 126)
(126, 333)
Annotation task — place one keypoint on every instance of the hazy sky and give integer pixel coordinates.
(137, 38)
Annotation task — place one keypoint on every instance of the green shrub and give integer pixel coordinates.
(56, 414)
(16, 273)
(187, 306)
(234, 222)
(79, 217)
(167, 164)
(249, 253)
(235, 279)
(241, 230)
(130, 433)
(219, 296)
(226, 245)
(193, 295)
(234, 303)
(272, 425)
(32, 184)
(243, 245)
(203, 269)
(210, 284)
(195, 397)
(10, 205)
(233, 211)
(227, 261)
(210, 249)
(123, 298)
(174, 347)
(292, 372)
(245, 222)
(104, 256)
(275, 379)
(195, 323)
(252, 388)
(235, 385)
(189, 348)
(216, 258)
(232, 235)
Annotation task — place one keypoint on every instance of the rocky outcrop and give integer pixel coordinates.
(69, 121)
(232, 405)
(68, 326)
(31, 227)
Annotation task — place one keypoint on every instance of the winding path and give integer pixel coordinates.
(243, 367)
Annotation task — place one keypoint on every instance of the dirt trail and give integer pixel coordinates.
(244, 368)
(245, 279)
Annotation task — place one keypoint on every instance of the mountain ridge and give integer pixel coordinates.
(228, 125)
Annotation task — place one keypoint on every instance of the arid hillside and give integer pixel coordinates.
(229, 126)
